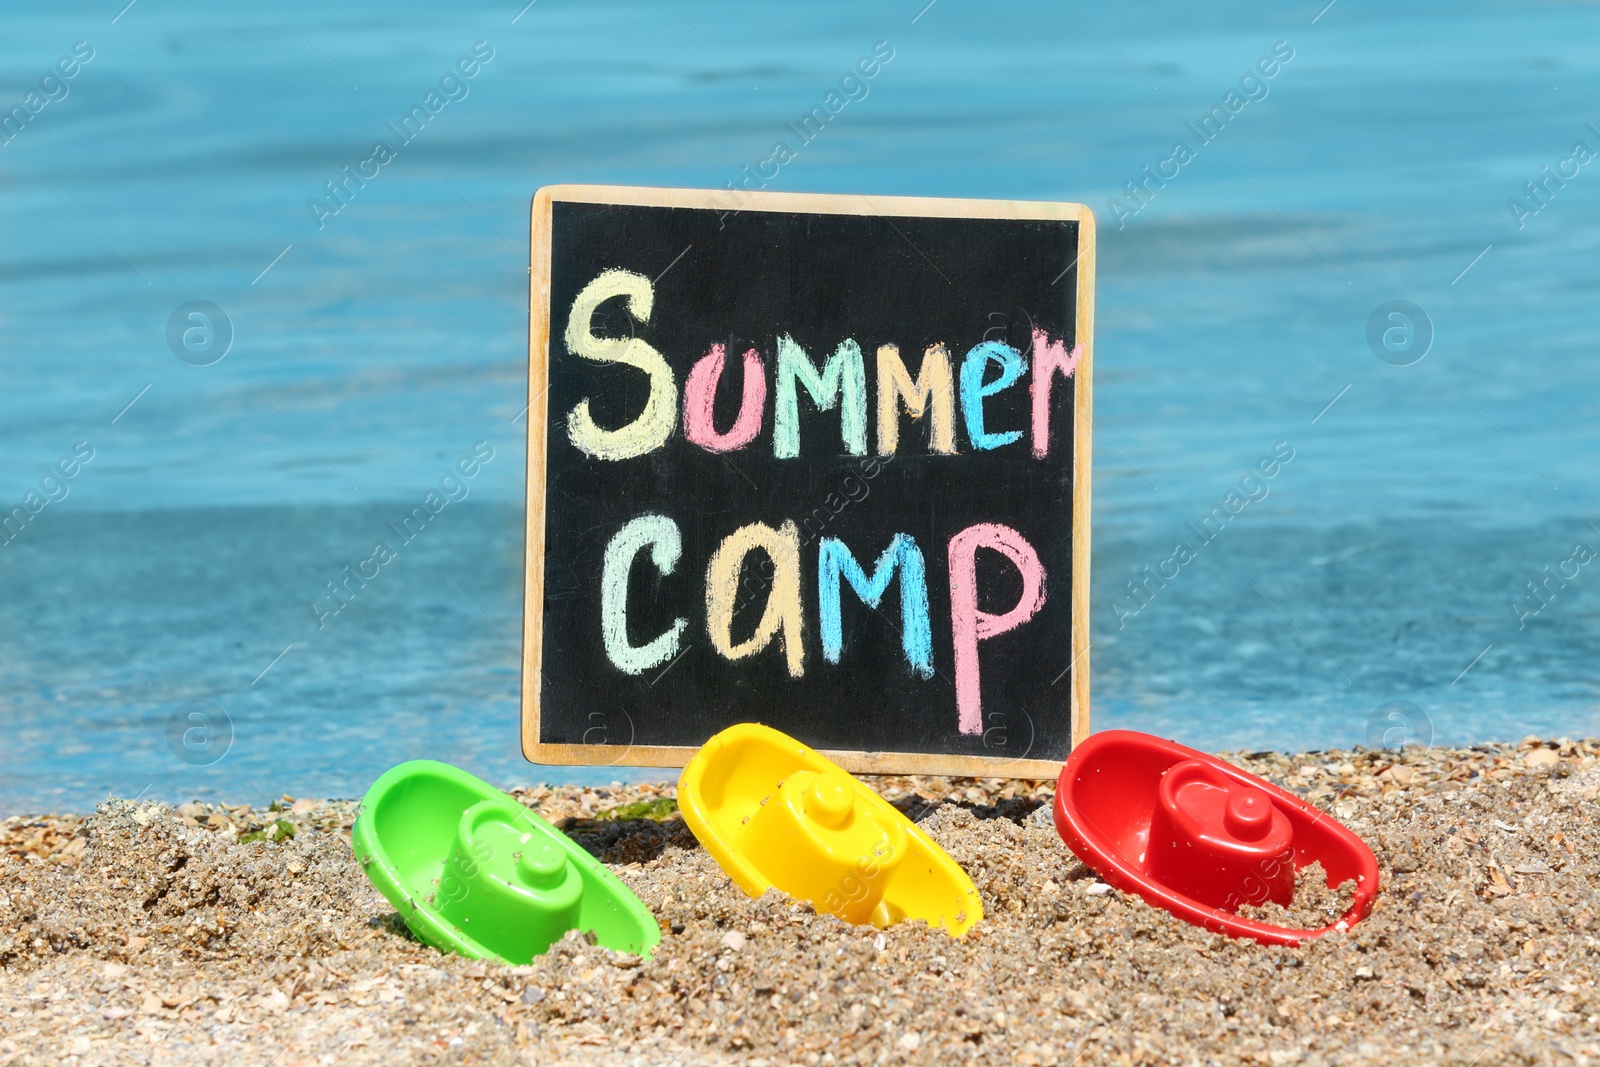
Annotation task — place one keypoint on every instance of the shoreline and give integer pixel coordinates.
(147, 934)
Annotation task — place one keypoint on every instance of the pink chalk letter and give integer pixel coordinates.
(1049, 359)
(699, 397)
(970, 625)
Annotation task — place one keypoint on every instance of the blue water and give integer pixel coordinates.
(370, 354)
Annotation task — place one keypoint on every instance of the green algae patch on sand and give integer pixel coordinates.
(658, 809)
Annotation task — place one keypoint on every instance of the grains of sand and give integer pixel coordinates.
(227, 934)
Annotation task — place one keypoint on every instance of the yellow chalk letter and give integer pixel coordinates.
(656, 422)
(782, 614)
(932, 388)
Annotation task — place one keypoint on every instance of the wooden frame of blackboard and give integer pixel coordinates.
(537, 415)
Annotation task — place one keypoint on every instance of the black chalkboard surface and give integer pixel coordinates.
(819, 462)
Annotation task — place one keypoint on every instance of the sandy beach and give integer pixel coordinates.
(144, 934)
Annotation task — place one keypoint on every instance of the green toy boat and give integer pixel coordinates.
(472, 871)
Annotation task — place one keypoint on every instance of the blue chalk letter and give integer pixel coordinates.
(973, 389)
(916, 632)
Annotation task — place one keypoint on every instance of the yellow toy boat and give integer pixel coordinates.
(776, 814)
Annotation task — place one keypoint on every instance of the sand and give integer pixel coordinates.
(146, 935)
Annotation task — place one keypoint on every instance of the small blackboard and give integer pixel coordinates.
(818, 462)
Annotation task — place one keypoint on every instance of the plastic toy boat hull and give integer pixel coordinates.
(472, 871)
(1233, 838)
(776, 814)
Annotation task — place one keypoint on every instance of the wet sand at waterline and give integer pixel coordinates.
(146, 935)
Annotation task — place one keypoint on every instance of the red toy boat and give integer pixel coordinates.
(1200, 837)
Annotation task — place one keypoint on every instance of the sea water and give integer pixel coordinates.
(1412, 573)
